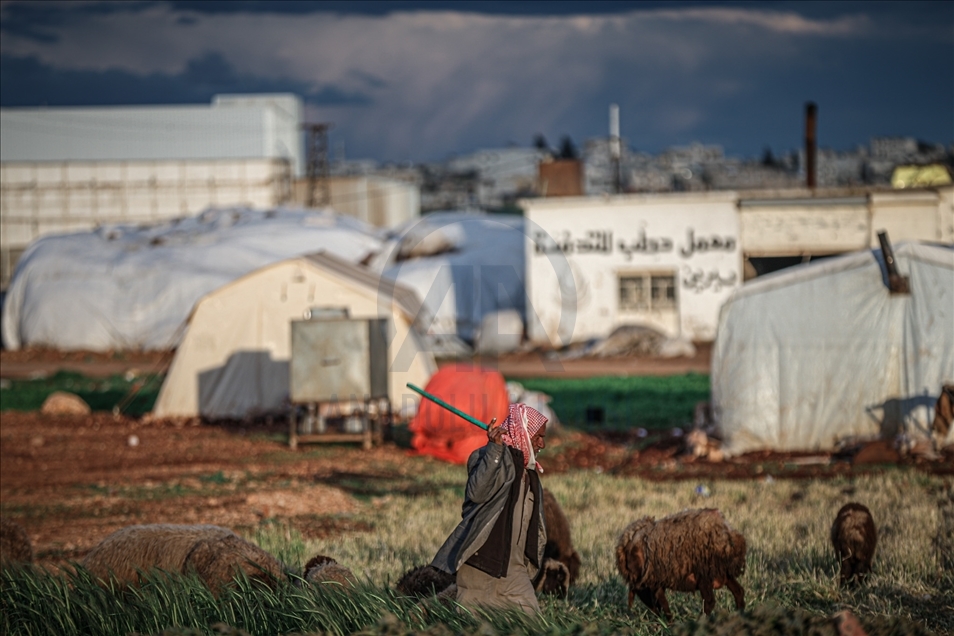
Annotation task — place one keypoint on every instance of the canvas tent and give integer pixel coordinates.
(234, 357)
(824, 352)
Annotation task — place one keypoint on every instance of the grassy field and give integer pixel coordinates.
(627, 401)
(134, 395)
(650, 402)
(791, 577)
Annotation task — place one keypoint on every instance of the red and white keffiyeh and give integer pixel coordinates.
(521, 425)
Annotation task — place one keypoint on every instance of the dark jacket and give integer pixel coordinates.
(487, 514)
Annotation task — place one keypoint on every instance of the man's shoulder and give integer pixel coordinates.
(490, 451)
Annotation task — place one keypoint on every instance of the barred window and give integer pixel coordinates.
(647, 291)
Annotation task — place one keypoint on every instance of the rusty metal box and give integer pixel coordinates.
(335, 360)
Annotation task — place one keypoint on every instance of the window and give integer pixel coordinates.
(647, 292)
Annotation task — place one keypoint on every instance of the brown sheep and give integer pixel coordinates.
(553, 578)
(687, 551)
(423, 581)
(216, 554)
(322, 569)
(854, 538)
(15, 546)
(944, 414)
(559, 547)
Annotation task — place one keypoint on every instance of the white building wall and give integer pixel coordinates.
(793, 222)
(232, 127)
(595, 241)
(379, 201)
(41, 198)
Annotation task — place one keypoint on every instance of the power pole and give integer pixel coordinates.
(317, 152)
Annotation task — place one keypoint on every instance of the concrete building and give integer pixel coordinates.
(669, 261)
(503, 174)
(71, 169)
(374, 199)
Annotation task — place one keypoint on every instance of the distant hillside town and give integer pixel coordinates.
(494, 179)
(65, 170)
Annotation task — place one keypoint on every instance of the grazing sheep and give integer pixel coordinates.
(216, 554)
(559, 547)
(323, 569)
(854, 537)
(423, 581)
(688, 551)
(553, 578)
(15, 544)
(944, 416)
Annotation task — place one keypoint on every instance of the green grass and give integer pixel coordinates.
(628, 401)
(102, 394)
(791, 577)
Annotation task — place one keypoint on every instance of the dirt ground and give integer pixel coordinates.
(72, 480)
(33, 362)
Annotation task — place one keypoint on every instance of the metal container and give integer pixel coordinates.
(339, 360)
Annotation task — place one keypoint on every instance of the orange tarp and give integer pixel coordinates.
(437, 432)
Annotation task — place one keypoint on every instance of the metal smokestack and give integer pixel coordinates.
(614, 144)
(811, 148)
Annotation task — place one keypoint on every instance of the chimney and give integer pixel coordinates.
(614, 145)
(897, 284)
(811, 150)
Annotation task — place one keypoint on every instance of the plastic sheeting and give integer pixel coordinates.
(463, 266)
(437, 432)
(132, 287)
(824, 352)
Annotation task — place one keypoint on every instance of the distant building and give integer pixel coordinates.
(69, 169)
(263, 126)
(502, 174)
(372, 198)
(670, 260)
(560, 178)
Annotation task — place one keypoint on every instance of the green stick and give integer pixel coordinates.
(456, 411)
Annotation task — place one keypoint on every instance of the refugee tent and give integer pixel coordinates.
(479, 392)
(234, 357)
(824, 352)
(463, 265)
(132, 287)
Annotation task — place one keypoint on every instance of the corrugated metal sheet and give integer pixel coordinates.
(232, 127)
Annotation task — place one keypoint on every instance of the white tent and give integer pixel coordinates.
(234, 357)
(824, 352)
(132, 287)
(463, 266)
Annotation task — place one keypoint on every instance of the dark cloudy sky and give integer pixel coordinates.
(425, 80)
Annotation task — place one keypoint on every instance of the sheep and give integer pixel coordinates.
(854, 538)
(553, 578)
(322, 569)
(216, 554)
(15, 546)
(559, 548)
(423, 581)
(687, 551)
(944, 416)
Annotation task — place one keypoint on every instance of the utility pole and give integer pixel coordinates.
(811, 145)
(614, 146)
(317, 153)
